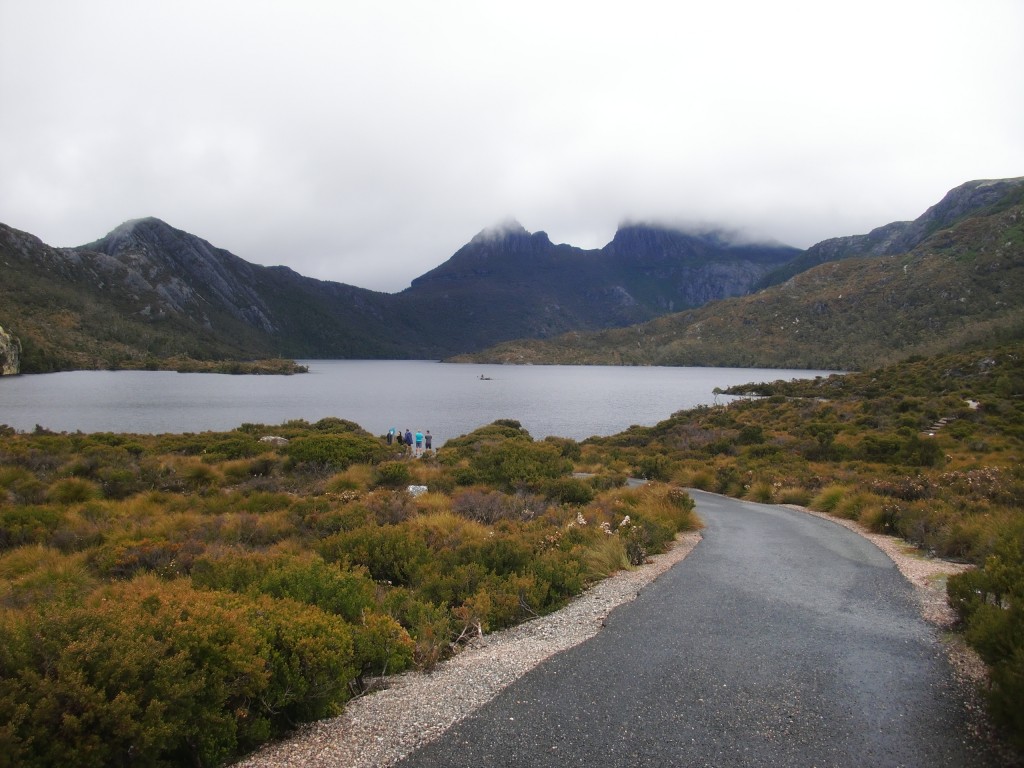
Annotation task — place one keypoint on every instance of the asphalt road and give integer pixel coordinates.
(782, 640)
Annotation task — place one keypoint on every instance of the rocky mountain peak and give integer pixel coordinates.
(188, 273)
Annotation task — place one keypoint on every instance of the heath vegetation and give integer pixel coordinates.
(180, 599)
(150, 583)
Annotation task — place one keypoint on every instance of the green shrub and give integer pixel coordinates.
(654, 467)
(393, 473)
(72, 490)
(153, 673)
(569, 490)
(333, 452)
(514, 463)
(304, 578)
(381, 647)
(391, 553)
(430, 626)
(28, 525)
(990, 603)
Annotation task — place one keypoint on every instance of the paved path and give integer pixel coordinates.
(782, 640)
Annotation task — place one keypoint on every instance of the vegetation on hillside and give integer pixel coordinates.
(180, 599)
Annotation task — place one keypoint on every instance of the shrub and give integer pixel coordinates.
(654, 467)
(390, 553)
(304, 578)
(489, 507)
(513, 463)
(28, 525)
(381, 647)
(393, 473)
(332, 452)
(430, 626)
(152, 673)
(990, 603)
(72, 490)
(569, 490)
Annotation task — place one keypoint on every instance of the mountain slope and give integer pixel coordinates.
(149, 291)
(899, 236)
(960, 285)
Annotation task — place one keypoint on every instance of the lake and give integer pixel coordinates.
(448, 399)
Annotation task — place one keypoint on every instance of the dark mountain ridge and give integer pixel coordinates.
(147, 291)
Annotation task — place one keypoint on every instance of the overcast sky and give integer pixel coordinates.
(365, 142)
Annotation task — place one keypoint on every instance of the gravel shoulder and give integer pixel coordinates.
(410, 710)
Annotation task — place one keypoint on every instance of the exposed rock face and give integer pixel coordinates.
(176, 266)
(691, 269)
(10, 354)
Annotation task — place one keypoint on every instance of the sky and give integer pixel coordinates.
(366, 142)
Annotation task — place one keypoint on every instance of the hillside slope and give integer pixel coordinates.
(960, 285)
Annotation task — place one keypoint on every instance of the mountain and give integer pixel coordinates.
(958, 284)
(147, 291)
(508, 283)
(899, 236)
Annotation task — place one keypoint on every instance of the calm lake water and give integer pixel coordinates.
(449, 400)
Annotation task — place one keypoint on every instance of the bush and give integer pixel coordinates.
(569, 490)
(489, 507)
(393, 473)
(333, 452)
(307, 579)
(990, 603)
(391, 553)
(513, 463)
(72, 490)
(153, 673)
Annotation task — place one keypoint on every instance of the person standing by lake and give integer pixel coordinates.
(419, 444)
(426, 440)
(408, 438)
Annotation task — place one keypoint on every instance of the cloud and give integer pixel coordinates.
(366, 142)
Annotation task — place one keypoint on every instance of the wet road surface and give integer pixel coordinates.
(782, 640)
